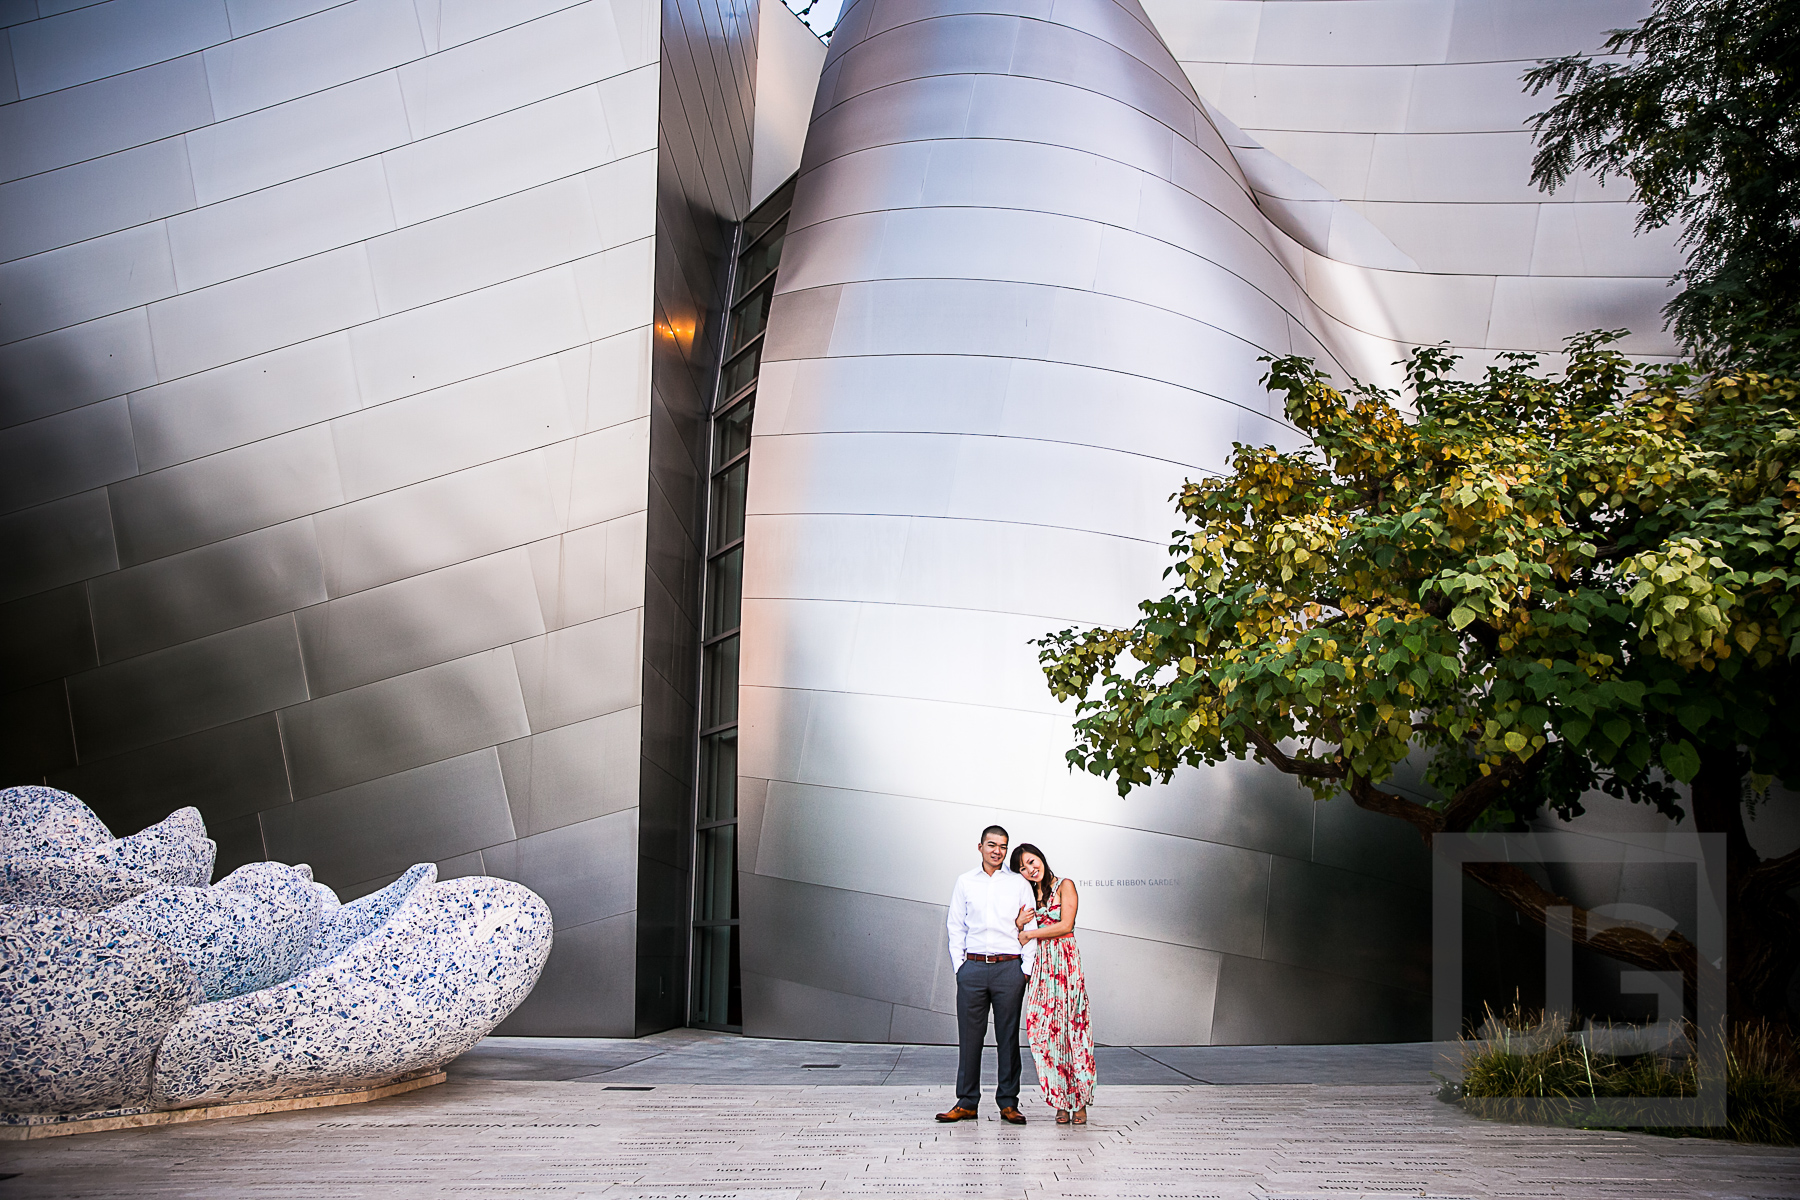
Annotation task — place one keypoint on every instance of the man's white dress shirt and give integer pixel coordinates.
(983, 909)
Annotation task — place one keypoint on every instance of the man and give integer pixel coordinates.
(990, 968)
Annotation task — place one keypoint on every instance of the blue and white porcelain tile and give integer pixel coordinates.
(84, 1003)
(447, 967)
(174, 852)
(346, 924)
(42, 820)
(252, 929)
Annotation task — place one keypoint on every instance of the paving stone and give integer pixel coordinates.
(483, 1136)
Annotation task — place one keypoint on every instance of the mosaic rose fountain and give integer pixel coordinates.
(128, 985)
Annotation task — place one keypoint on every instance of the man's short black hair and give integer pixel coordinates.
(999, 830)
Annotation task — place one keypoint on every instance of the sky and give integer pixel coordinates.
(821, 15)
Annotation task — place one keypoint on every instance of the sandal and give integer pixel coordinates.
(1062, 1116)
(1078, 1118)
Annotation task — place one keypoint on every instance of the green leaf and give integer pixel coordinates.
(1576, 729)
(1681, 760)
(1616, 730)
(1461, 616)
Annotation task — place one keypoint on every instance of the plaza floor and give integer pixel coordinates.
(700, 1116)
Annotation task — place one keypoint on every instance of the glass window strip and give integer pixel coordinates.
(715, 990)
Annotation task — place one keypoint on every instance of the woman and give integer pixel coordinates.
(1056, 1002)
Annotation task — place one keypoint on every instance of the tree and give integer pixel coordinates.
(1700, 116)
(1546, 584)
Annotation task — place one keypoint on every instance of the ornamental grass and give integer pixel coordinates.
(1520, 1060)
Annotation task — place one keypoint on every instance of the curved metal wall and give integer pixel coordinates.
(1388, 138)
(1022, 298)
(333, 423)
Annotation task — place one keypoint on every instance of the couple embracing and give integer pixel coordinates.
(1012, 945)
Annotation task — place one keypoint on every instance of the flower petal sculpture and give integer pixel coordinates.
(127, 984)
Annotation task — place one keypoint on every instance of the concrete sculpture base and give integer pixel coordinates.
(19, 1129)
(129, 988)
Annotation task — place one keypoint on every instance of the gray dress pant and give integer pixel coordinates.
(979, 987)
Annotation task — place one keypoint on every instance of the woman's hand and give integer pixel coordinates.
(1024, 917)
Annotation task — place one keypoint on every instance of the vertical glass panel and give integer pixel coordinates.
(751, 316)
(733, 436)
(716, 864)
(718, 776)
(761, 258)
(717, 998)
(720, 688)
(729, 487)
(740, 370)
(725, 592)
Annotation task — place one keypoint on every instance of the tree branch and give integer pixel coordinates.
(1468, 805)
(1426, 820)
(1776, 874)
(1293, 766)
(1626, 941)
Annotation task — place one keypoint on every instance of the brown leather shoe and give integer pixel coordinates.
(1012, 1116)
(959, 1113)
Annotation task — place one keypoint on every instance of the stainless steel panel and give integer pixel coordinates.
(261, 312)
(1348, 924)
(1600, 238)
(583, 991)
(1263, 1003)
(186, 688)
(87, 280)
(95, 197)
(245, 401)
(45, 637)
(591, 572)
(1485, 30)
(71, 367)
(573, 773)
(436, 523)
(56, 543)
(400, 723)
(249, 16)
(1532, 311)
(280, 224)
(1367, 31)
(9, 83)
(523, 148)
(216, 587)
(299, 58)
(46, 132)
(418, 622)
(433, 812)
(109, 39)
(582, 671)
(421, 437)
(72, 452)
(34, 733)
(1175, 1010)
(1134, 882)
(784, 1009)
(213, 498)
(853, 942)
(1354, 839)
(306, 134)
(469, 335)
(229, 773)
(484, 245)
(516, 66)
(585, 872)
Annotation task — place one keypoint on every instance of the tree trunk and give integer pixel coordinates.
(1763, 927)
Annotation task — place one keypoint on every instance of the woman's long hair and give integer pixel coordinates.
(1045, 887)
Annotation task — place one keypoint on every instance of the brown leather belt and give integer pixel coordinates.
(989, 958)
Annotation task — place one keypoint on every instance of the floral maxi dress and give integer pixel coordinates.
(1056, 1018)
